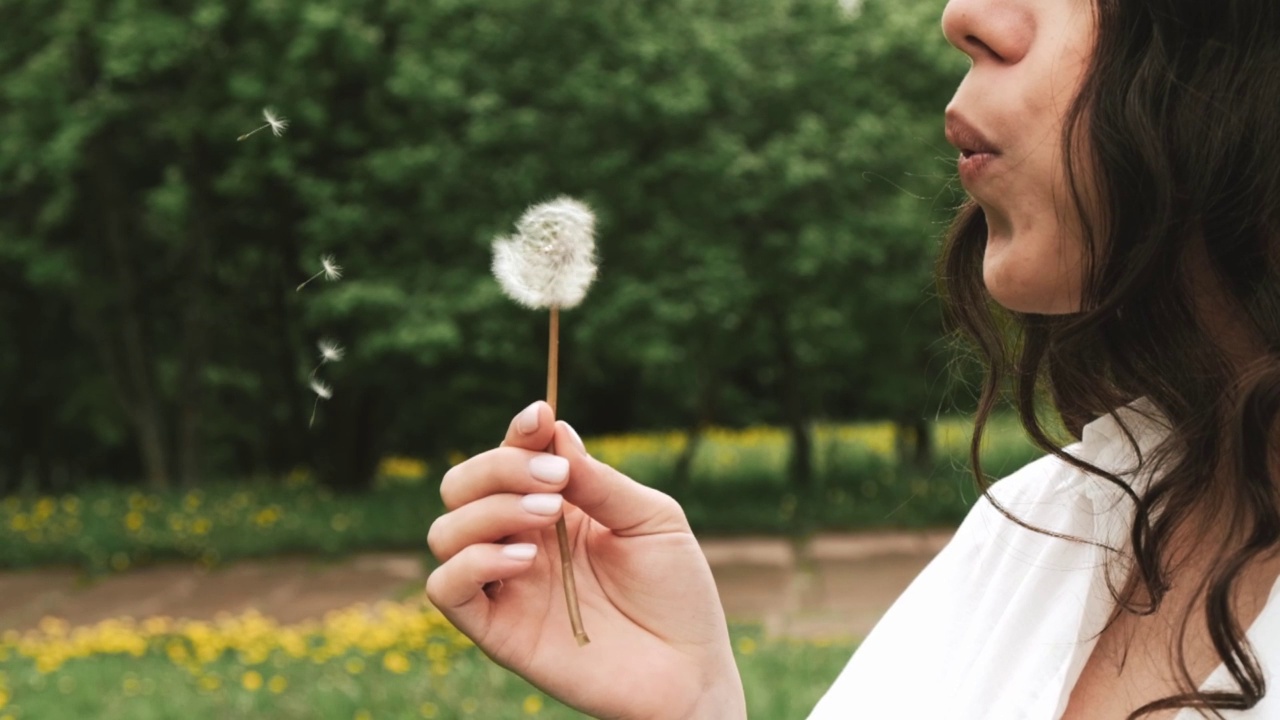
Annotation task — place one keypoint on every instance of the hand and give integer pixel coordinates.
(659, 642)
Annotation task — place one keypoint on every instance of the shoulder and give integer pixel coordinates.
(1048, 493)
(992, 621)
(1059, 496)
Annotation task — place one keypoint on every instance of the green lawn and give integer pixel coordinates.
(442, 678)
(738, 486)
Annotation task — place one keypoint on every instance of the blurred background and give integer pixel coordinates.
(764, 341)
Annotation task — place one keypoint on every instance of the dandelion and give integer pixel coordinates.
(330, 351)
(252, 681)
(328, 268)
(323, 392)
(277, 124)
(549, 263)
(396, 662)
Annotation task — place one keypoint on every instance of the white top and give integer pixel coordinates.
(1000, 624)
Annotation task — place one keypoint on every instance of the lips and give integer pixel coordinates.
(966, 138)
(976, 151)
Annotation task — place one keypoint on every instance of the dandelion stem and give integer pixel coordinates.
(242, 137)
(553, 358)
(562, 530)
(315, 405)
(313, 277)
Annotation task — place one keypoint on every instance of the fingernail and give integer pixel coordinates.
(542, 503)
(549, 468)
(527, 420)
(574, 434)
(520, 551)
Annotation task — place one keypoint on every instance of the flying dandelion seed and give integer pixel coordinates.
(330, 351)
(328, 268)
(277, 124)
(323, 392)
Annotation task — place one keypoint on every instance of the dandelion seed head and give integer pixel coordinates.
(278, 124)
(550, 261)
(320, 389)
(332, 270)
(330, 351)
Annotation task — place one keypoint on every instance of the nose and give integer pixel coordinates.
(989, 30)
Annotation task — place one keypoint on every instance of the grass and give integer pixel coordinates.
(738, 485)
(398, 660)
(390, 661)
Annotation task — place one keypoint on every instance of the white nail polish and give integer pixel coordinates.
(549, 468)
(574, 434)
(542, 503)
(527, 420)
(520, 551)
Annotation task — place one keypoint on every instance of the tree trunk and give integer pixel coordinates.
(195, 338)
(146, 411)
(114, 320)
(349, 458)
(795, 411)
(681, 474)
(704, 413)
(924, 444)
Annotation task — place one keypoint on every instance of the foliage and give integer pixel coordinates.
(760, 261)
(362, 663)
(739, 486)
(108, 529)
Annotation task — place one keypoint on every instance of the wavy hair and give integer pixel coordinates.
(1178, 171)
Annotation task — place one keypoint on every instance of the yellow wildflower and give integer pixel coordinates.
(252, 681)
(267, 516)
(209, 683)
(428, 710)
(396, 662)
(45, 507)
(133, 521)
(533, 705)
(277, 684)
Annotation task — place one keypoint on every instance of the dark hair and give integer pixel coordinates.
(1179, 113)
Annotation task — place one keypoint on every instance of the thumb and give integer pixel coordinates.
(614, 500)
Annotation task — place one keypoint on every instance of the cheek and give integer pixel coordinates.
(1034, 252)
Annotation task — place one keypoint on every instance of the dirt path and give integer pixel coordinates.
(836, 587)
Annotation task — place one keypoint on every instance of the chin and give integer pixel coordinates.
(1025, 288)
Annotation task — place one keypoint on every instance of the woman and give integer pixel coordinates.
(1117, 262)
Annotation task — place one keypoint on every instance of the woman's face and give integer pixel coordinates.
(1028, 58)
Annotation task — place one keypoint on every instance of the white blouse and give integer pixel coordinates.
(1000, 624)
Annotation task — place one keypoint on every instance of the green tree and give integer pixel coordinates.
(760, 261)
